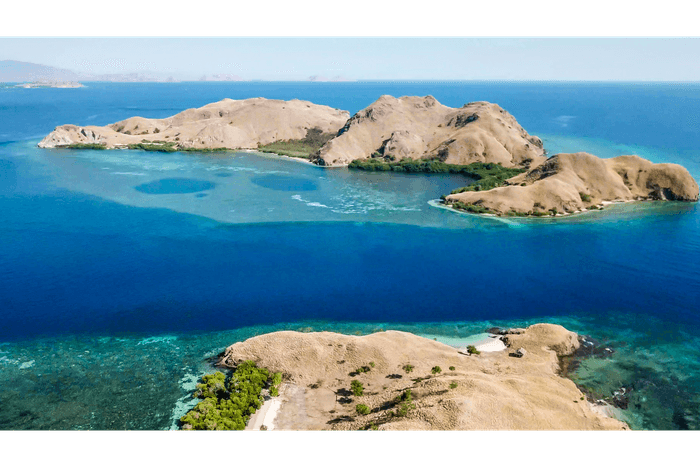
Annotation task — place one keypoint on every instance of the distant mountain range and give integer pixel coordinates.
(12, 71)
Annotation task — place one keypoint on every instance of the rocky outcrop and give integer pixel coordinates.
(490, 391)
(233, 124)
(422, 128)
(568, 183)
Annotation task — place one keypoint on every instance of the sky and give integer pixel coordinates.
(297, 58)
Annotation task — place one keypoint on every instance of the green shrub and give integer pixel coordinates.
(406, 396)
(585, 198)
(453, 385)
(274, 392)
(227, 405)
(452, 368)
(435, 370)
(362, 409)
(408, 368)
(472, 350)
(357, 388)
(213, 385)
(371, 364)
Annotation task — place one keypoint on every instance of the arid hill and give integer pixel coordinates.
(567, 183)
(490, 391)
(422, 128)
(232, 124)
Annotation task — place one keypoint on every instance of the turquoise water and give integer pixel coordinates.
(124, 273)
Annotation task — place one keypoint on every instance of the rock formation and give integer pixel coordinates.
(483, 392)
(422, 128)
(568, 183)
(233, 124)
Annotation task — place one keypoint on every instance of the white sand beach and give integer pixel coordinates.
(266, 415)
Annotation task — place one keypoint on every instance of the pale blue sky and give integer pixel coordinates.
(652, 59)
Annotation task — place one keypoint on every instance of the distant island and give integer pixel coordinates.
(513, 175)
(50, 84)
(511, 379)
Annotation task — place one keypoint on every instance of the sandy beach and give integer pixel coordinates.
(265, 416)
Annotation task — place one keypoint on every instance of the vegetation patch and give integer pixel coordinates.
(97, 146)
(472, 350)
(169, 146)
(435, 370)
(408, 368)
(486, 174)
(405, 404)
(362, 409)
(304, 148)
(357, 388)
(229, 402)
(469, 207)
(154, 147)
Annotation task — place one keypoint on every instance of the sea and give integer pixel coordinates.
(123, 274)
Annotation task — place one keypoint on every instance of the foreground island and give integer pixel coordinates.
(399, 381)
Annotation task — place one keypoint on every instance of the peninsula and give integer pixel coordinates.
(399, 381)
(570, 183)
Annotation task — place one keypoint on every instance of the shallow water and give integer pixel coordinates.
(123, 273)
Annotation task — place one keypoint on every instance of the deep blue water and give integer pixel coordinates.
(205, 250)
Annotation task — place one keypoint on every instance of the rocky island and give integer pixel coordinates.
(513, 175)
(227, 124)
(570, 183)
(399, 381)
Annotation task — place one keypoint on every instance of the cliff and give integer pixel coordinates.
(422, 128)
(567, 183)
(490, 391)
(232, 124)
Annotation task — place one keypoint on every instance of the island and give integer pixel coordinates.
(393, 380)
(509, 170)
(51, 84)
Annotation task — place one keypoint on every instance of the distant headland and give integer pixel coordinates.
(514, 176)
(50, 84)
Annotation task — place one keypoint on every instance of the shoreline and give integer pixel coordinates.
(267, 414)
(437, 203)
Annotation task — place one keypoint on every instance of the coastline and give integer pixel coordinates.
(437, 203)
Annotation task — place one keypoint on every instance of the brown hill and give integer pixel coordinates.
(493, 391)
(233, 124)
(422, 128)
(569, 183)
